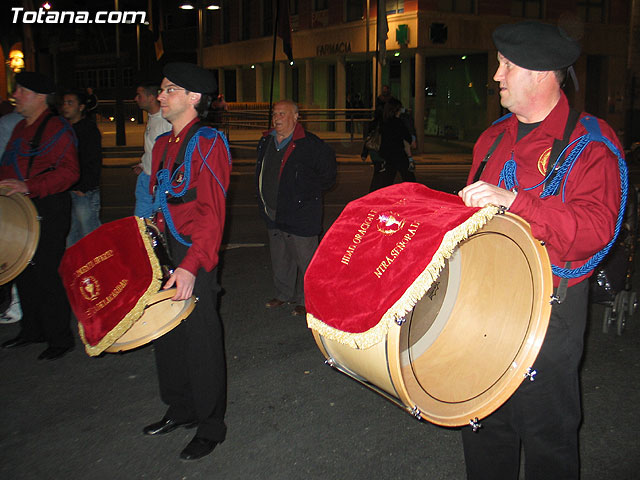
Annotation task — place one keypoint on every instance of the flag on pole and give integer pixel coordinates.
(284, 28)
(382, 31)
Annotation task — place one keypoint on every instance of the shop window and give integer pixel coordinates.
(592, 10)
(527, 8)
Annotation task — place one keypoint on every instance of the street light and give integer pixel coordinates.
(200, 5)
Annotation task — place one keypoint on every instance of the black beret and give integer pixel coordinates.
(35, 82)
(190, 77)
(536, 46)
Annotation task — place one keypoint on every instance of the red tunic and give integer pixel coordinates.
(62, 157)
(580, 226)
(203, 218)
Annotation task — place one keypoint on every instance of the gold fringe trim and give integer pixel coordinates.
(414, 293)
(137, 311)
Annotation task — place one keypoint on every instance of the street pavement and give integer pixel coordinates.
(290, 416)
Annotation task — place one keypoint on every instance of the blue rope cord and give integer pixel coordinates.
(20, 147)
(509, 179)
(165, 181)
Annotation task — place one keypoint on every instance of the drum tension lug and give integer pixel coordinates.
(415, 411)
(531, 374)
(400, 321)
(330, 361)
(475, 424)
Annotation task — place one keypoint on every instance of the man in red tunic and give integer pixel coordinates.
(191, 166)
(41, 161)
(512, 161)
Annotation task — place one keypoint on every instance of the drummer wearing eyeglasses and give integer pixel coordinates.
(571, 200)
(191, 166)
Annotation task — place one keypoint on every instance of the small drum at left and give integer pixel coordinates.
(19, 234)
(113, 279)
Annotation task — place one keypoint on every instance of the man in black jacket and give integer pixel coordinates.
(85, 195)
(294, 168)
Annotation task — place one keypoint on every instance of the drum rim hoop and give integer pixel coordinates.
(32, 240)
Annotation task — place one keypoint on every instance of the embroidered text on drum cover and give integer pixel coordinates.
(108, 299)
(92, 263)
(400, 246)
(346, 258)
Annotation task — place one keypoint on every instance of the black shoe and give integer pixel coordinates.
(198, 448)
(166, 425)
(53, 353)
(17, 343)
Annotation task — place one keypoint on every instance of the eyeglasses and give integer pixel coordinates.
(169, 90)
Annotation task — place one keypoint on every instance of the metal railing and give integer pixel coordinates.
(351, 122)
(106, 111)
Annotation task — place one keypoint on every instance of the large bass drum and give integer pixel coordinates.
(471, 340)
(19, 234)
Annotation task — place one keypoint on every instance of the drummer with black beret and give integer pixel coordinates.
(41, 162)
(573, 213)
(191, 167)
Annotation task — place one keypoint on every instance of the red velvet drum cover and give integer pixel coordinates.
(109, 276)
(381, 256)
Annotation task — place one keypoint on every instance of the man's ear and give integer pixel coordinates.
(541, 76)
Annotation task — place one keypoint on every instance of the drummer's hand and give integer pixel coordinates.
(183, 281)
(15, 186)
(481, 194)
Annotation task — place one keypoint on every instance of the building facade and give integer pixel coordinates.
(439, 58)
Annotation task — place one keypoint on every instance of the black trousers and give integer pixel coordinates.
(46, 314)
(386, 178)
(191, 362)
(544, 415)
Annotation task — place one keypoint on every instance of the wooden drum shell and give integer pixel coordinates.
(470, 341)
(19, 234)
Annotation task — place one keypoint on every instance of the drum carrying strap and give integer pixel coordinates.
(164, 189)
(559, 146)
(35, 143)
(191, 194)
(486, 158)
(561, 291)
(509, 178)
(34, 149)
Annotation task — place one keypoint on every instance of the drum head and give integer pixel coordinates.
(19, 234)
(160, 316)
(466, 346)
